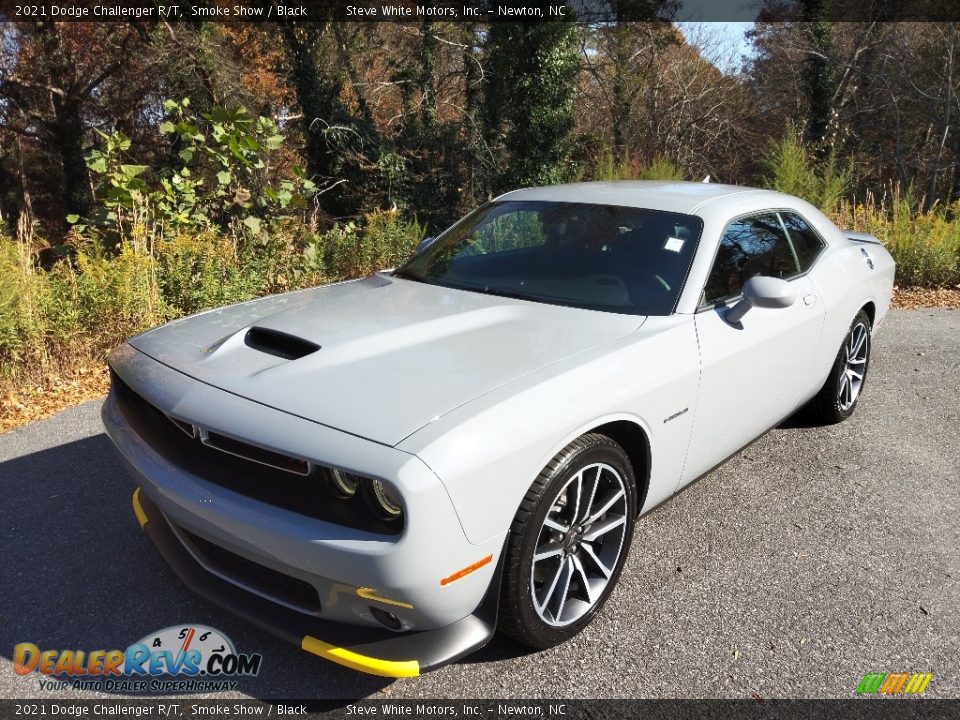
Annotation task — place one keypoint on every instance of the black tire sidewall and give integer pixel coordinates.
(830, 400)
(536, 631)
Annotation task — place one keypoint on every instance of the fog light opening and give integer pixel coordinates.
(387, 619)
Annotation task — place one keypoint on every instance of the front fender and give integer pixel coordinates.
(488, 452)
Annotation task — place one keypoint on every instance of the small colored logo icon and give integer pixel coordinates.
(894, 683)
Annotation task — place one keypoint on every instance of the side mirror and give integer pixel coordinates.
(761, 291)
(423, 244)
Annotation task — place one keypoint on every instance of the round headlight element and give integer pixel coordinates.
(343, 484)
(384, 500)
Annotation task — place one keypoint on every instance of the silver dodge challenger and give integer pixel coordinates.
(386, 471)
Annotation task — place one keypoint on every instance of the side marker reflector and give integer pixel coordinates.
(371, 594)
(363, 663)
(467, 570)
(138, 508)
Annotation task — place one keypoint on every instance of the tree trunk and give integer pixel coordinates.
(317, 100)
(428, 98)
(67, 131)
(818, 76)
(944, 130)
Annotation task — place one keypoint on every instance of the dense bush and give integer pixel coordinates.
(660, 168)
(219, 181)
(94, 298)
(790, 169)
(347, 250)
(926, 245)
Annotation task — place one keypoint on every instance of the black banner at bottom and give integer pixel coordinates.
(186, 709)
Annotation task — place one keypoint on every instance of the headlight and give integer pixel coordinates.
(383, 500)
(343, 484)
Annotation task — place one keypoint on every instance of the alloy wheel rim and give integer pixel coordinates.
(855, 366)
(579, 545)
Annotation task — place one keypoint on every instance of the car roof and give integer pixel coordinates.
(669, 195)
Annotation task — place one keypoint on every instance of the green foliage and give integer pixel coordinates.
(198, 272)
(791, 170)
(88, 303)
(661, 168)
(111, 294)
(925, 245)
(819, 74)
(22, 296)
(350, 250)
(532, 69)
(220, 182)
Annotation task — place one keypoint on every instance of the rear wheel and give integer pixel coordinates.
(838, 397)
(568, 542)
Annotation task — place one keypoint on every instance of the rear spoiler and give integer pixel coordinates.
(861, 237)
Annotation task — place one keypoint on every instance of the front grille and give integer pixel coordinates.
(256, 454)
(305, 494)
(259, 578)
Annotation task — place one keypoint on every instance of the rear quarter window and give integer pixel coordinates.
(806, 242)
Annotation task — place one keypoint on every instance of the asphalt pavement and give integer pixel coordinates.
(813, 556)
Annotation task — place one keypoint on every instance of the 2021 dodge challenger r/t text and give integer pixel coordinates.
(385, 471)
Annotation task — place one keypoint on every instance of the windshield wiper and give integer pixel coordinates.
(499, 292)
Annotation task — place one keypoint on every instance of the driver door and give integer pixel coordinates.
(757, 372)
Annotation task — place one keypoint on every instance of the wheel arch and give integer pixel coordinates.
(630, 433)
(870, 308)
(631, 436)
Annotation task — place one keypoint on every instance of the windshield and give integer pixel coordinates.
(599, 257)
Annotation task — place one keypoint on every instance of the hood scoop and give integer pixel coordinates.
(278, 344)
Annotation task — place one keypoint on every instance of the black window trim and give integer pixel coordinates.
(703, 306)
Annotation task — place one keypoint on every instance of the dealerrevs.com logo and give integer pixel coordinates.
(182, 658)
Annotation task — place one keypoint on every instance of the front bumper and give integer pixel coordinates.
(208, 530)
(369, 650)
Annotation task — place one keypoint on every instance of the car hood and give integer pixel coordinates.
(382, 356)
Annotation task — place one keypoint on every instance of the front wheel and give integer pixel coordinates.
(838, 397)
(568, 542)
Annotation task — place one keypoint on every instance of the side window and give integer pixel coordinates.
(754, 245)
(806, 242)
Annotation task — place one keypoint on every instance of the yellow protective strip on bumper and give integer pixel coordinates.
(363, 663)
(138, 508)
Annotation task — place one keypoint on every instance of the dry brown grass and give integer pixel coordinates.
(22, 403)
(914, 297)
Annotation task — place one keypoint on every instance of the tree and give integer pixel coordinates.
(529, 91)
(318, 89)
(819, 79)
(50, 88)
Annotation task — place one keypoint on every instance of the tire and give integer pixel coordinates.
(587, 563)
(838, 398)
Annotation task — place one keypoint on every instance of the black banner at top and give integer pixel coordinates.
(483, 11)
(189, 708)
